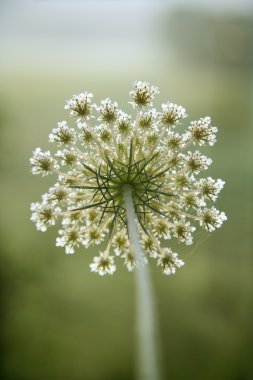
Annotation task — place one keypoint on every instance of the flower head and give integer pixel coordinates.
(201, 132)
(43, 163)
(143, 94)
(169, 261)
(171, 114)
(103, 264)
(63, 135)
(80, 105)
(149, 152)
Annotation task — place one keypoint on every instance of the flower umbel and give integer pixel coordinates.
(110, 151)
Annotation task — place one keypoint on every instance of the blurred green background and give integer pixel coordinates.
(58, 320)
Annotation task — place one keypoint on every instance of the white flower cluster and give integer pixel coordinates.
(169, 261)
(43, 163)
(80, 105)
(143, 94)
(202, 133)
(95, 161)
(172, 114)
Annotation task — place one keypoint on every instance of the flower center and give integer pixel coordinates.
(143, 177)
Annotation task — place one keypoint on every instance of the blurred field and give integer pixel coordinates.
(59, 321)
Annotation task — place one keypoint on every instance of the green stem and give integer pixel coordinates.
(147, 350)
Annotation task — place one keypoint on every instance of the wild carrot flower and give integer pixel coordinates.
(108, 152)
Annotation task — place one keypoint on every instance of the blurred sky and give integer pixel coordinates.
(65, 34)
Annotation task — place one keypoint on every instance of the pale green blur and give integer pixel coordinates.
(59, 321)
